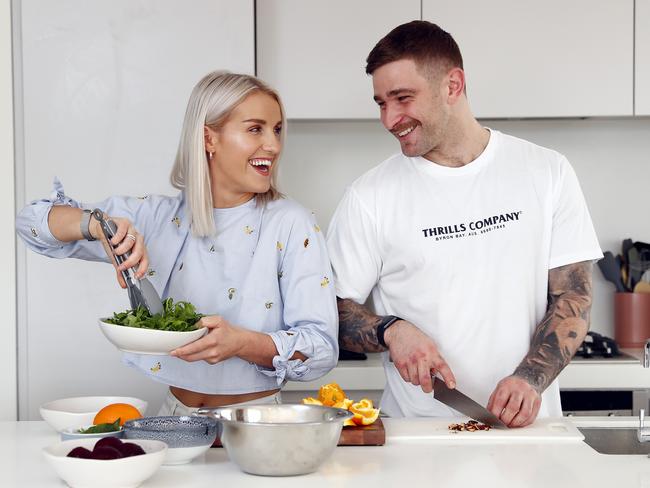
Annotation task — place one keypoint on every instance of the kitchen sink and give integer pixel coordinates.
(614, 440)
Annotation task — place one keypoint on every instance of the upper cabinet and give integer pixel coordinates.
(554, 58)
(314, 52)
(642, 58)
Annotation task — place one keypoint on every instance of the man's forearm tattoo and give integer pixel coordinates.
(357, 327)
(563, 328)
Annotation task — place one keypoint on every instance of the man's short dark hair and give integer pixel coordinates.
(423, 42)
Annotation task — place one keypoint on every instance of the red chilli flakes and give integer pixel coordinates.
(470, 426)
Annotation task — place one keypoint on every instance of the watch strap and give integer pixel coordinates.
(385, 323)
(85, 225)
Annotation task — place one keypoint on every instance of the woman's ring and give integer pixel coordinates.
(131, 236)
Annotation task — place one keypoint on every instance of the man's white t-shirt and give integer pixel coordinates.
(464, 254)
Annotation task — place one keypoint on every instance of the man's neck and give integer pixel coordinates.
(464, 142)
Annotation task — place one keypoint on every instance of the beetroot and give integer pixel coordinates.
(129, 449)
(113, 442)
(80, 452)
(106, 452)
(108, 448)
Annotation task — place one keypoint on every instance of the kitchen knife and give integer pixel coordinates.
(464, 404)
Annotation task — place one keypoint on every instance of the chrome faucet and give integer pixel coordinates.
(646, 354)
(643, 434)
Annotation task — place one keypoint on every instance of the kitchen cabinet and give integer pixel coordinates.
(314, 52)
(101, 102)
(543, 59)
(642, 58)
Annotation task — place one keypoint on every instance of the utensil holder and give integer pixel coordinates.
(631, 319)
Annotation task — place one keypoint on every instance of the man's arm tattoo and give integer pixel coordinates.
(357, 327)
(563, 328)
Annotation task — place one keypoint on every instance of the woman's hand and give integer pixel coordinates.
(126, 239)
(222, 342)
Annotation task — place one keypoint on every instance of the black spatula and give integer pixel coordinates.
(611, 270)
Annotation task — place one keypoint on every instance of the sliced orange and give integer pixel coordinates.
(311, 401)
(111, 413)
(330, 394)
(345, 404)
(364, 413)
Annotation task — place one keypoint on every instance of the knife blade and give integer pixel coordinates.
(464, 404)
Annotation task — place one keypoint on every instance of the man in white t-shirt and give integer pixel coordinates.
(476, 246)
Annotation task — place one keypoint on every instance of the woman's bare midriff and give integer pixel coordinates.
(196, 400)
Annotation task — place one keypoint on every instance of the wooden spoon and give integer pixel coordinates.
(642, 287)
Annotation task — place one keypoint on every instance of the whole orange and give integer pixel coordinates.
(110, 413)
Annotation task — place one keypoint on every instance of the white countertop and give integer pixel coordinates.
(405, 460)
(589, 374)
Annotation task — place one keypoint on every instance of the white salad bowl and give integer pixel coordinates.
(147, 341)
(78, 412)
(104, 473)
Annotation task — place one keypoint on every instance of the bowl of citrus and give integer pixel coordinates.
(81, 412)
(108, 422)
(332, 395)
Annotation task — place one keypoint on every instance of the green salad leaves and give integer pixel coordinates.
(101, 428)
(177, 317)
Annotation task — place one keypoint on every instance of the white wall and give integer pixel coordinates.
(102, 91)
(8, 381)
(610, 156)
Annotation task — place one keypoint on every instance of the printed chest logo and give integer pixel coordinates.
(473, 228)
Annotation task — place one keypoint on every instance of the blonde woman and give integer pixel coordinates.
(230, 243)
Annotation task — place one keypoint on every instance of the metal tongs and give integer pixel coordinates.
(141, 292)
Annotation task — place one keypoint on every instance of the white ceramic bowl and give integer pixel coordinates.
(147, 341)
(73, 433)
(183, 455)
(78, 412)
(99, 473)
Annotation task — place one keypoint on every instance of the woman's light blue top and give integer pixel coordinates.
(265, 269)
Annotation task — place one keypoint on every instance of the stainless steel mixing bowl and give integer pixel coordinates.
(279, 440)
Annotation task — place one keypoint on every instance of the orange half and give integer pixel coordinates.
(364, 413)
(330, 394)
(122, 411)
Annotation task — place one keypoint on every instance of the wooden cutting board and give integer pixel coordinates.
(546, 429)
(369, 435)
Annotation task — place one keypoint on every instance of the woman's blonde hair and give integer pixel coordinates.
(211, 102)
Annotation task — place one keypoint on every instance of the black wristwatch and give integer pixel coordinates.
(385, 323)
